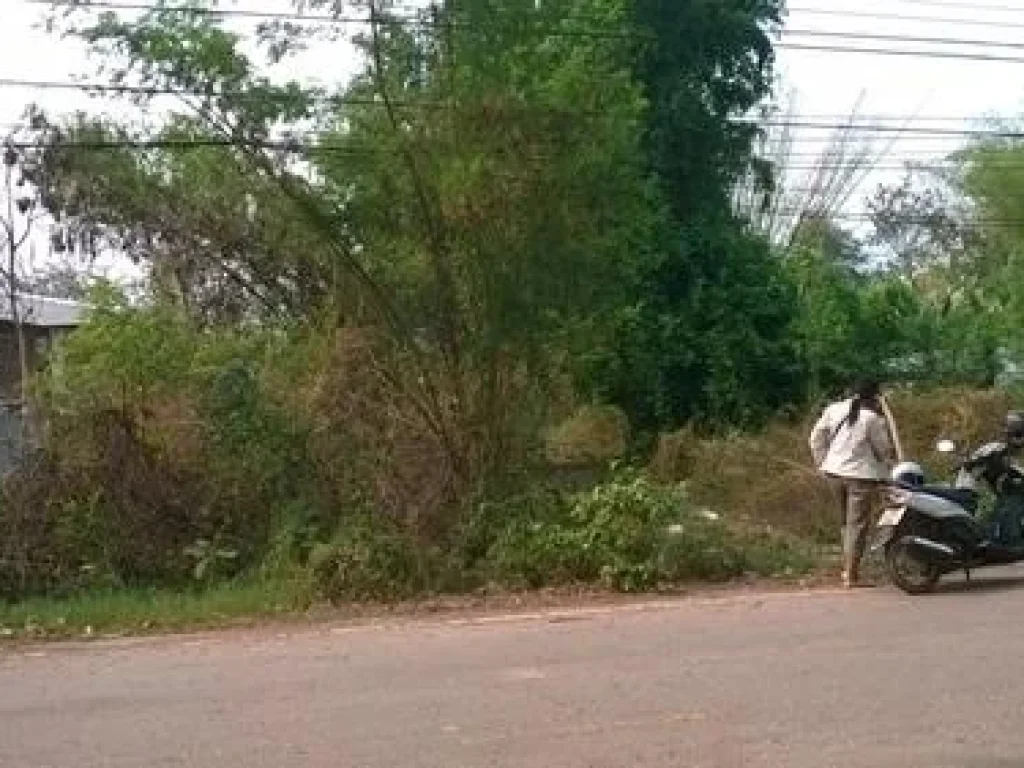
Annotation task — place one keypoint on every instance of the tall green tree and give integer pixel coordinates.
(475, 194)
(220, 239)
(705, 65)
(707, 335)
(993, 181)
(504, 190)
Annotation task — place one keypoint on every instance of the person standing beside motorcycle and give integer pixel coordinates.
(852, 447)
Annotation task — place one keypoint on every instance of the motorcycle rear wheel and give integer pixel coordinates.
(908, 572)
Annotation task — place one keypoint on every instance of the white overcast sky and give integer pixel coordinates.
(926, 91)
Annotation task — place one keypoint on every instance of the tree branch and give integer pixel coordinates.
(437, 240)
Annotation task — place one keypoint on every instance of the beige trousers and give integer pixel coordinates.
(857, 500)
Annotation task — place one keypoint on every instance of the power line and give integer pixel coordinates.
(162, 90)
(604, 33)
(817, 125)
(911, 153)
(909, 131)
(896, 38)
(815, 159)
(84, 86)
(197, 143)
(284, 146)
(866, 217)
(415, 17)
(221, 12)
(309, 145)
(901, 136)
(903, 52)
(1013, 165)
(366, 151)
(857, 117)
(889, 165)
(415, 20)
(884, 16)
(965, 6)
(808, 147)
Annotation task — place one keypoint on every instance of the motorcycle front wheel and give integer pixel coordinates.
(908, 571)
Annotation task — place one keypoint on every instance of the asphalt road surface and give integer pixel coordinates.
(810, 680)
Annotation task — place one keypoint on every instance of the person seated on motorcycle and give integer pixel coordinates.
(995, 464)
(852, 448)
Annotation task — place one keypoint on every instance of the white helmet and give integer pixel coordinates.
(908, 473)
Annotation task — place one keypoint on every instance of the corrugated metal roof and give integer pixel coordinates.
(44, 312)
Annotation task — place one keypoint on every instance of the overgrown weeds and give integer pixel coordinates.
(768, 477)
(628, 534)
(312, 460)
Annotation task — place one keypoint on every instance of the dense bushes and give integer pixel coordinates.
(632, 534)
(292, 454)
(368, 559)
(348, 363)
(165, 459)
(627, 534)
(174, 456)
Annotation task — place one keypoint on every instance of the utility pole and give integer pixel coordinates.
(23, 207)
(14, 243)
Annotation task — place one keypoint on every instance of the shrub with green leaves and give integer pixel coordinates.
(632, 534)
(489, 527)
(536, 554)
(208, 461)
(368, 560)
(165, 459)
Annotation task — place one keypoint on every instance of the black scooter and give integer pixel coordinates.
(928, 531)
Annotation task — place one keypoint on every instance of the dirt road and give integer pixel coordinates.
(811, 680)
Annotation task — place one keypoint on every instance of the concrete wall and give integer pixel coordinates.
(40, 341)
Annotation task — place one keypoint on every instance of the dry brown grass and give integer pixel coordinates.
(593, 435)
(372, 447)
(768, 477)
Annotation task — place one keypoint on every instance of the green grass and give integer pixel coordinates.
(134, 612)
(126, 613)
(630, 535)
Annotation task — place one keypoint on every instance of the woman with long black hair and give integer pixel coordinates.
(852, 446)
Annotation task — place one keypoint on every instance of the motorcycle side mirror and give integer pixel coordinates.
(946, 446)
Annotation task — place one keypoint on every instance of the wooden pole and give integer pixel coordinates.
(893, 432)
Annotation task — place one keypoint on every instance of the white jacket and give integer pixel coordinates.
(861, 451)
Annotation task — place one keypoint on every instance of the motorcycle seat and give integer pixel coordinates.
(1000, 554)
(964, 497)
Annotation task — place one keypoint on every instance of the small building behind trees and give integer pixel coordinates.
(45, 322)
